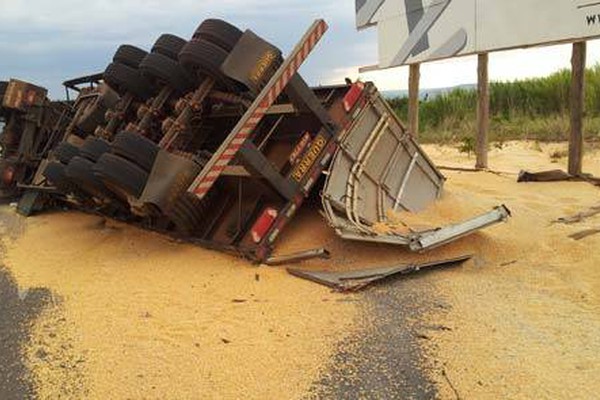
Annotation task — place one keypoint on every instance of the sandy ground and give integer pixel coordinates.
(142, 317)
(136, 315)
(525, 316)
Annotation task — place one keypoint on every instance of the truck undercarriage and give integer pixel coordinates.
(218, 140)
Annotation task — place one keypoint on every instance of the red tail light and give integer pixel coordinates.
(353, 95)
(263, 224)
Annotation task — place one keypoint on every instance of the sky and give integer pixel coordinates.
(47, 42)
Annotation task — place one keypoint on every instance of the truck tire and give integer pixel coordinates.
(189, 214)
(135, 148)
(183, 215)
(168, 45)
(124, 79)
(165, 71)
(81, 172)
(56, 174)
(65, 151)
(183, 225)
(117, 172)
(202, 58)
(93, 148)
(129, 55)
(219, 32)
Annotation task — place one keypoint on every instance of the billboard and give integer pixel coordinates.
(415, 31)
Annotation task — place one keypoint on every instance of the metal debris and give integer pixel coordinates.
(352, 281)
(300, 256)
(573, 219)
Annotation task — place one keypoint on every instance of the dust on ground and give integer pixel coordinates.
(150, 318)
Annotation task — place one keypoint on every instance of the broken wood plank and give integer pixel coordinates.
(297, 257)
(557, 175)
(573, 219)
(585, 233)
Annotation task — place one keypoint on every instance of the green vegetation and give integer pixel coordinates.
(535, 109)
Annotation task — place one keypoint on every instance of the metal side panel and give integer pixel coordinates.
(441, 236)
(379, 168)
(167, 181)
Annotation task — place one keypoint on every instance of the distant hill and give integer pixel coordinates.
(426, 93)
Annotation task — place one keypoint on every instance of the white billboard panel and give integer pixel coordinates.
(414, 31)
(370, 12)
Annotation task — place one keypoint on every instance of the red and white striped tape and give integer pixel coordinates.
(246, 125)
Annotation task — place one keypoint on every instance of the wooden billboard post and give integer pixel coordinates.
(483, 111)
(577, 107)
(414, 76)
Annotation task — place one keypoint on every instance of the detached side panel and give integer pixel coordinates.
(378, 169)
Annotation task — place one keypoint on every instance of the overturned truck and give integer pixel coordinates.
(30, 125)
(219, 140)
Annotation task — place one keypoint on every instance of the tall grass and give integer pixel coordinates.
(527, 109)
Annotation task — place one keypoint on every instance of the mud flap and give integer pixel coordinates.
(170, 177)
(252, 61)
(379, 168)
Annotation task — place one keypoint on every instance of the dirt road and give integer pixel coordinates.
(135, 315)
